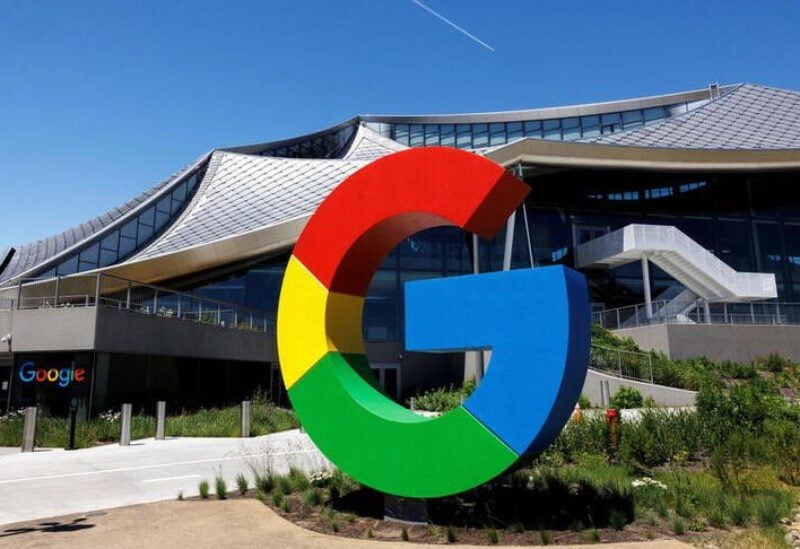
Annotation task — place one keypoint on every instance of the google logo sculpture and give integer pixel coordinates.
(535, 321)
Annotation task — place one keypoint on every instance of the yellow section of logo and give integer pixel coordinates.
(313, 321)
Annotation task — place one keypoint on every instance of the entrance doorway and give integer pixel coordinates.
(388, 376)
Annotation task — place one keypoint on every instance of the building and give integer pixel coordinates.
(688, 203)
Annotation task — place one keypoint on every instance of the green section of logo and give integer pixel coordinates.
(386, 446)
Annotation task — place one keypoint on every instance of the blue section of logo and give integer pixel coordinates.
(536, 323)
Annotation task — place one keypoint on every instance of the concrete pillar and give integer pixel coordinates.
(648, 300)
(246, 418)
(125, 427)
(29, 429)
(161, 420)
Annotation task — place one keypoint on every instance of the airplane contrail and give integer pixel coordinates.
(459, 29)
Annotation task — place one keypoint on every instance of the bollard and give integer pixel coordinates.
(29, 429)
(161, 419)
(73, 420)
(412, 403)
(125, 428)
(246, 418)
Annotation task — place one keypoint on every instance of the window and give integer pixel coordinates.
(497, 134)
(632, 119)
(463, 136)
(571, 128)
(448, 135)
(480, 136)
(533, 129)
(416, 136)
(590, 126)
(552, 129)
(431, 135)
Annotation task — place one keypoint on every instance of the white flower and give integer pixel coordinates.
(647, 481)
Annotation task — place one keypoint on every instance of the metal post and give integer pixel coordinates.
(619, 362)
(125, 428)
(509, 244)
(246, 418)
(29, 429)
(56, 292)
(19, 293)
(476, 268)
(648, 304)
(412, 403)
(725, 312)
(97, 287)
(161, 419)
(155, 302)
(73, 419)
(128, 296)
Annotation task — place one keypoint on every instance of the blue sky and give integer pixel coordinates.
(100, 100)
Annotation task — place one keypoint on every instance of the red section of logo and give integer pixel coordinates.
(393, 195)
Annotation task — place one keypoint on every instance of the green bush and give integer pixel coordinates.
(444, 399)
(203, 489)
(221, 488)
(241, 484)
(627, 397)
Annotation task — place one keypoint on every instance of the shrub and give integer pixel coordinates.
(298, 480)
(241, 484)
(203, 488)
(593, 536)
(678, 526)
(221, 488)
(404, 534)
(265, 483)
(545, 537)
(617, 520)
(312, 497)
(450, 535)
(492, 536)
(277, 498)
(627, 397)
(739, 512)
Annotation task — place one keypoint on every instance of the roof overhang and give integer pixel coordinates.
(237, 248)
(565, 154)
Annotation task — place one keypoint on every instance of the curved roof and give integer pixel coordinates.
(257, 198)
(750, 117)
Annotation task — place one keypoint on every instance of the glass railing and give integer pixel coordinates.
(102, 290)
(754, 313)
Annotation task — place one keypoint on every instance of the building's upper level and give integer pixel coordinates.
(237, 201)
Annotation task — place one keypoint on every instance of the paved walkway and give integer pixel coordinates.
(54, 483)
(201, 524)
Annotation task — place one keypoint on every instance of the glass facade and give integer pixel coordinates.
(325, 145)
(136, 233)
(750, 222)
(475, 136)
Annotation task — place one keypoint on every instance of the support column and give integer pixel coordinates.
(648, 300)
(509, 244)
(707, 311)
(474, 361)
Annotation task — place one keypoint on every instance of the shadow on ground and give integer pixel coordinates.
(50, 527)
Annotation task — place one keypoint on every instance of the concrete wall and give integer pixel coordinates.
(120, 331)
(63, 329)
(740, 343)
(663, 396)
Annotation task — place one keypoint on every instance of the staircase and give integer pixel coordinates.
(701, 272)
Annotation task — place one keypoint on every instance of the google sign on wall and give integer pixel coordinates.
(535, 321)
(29, 373)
